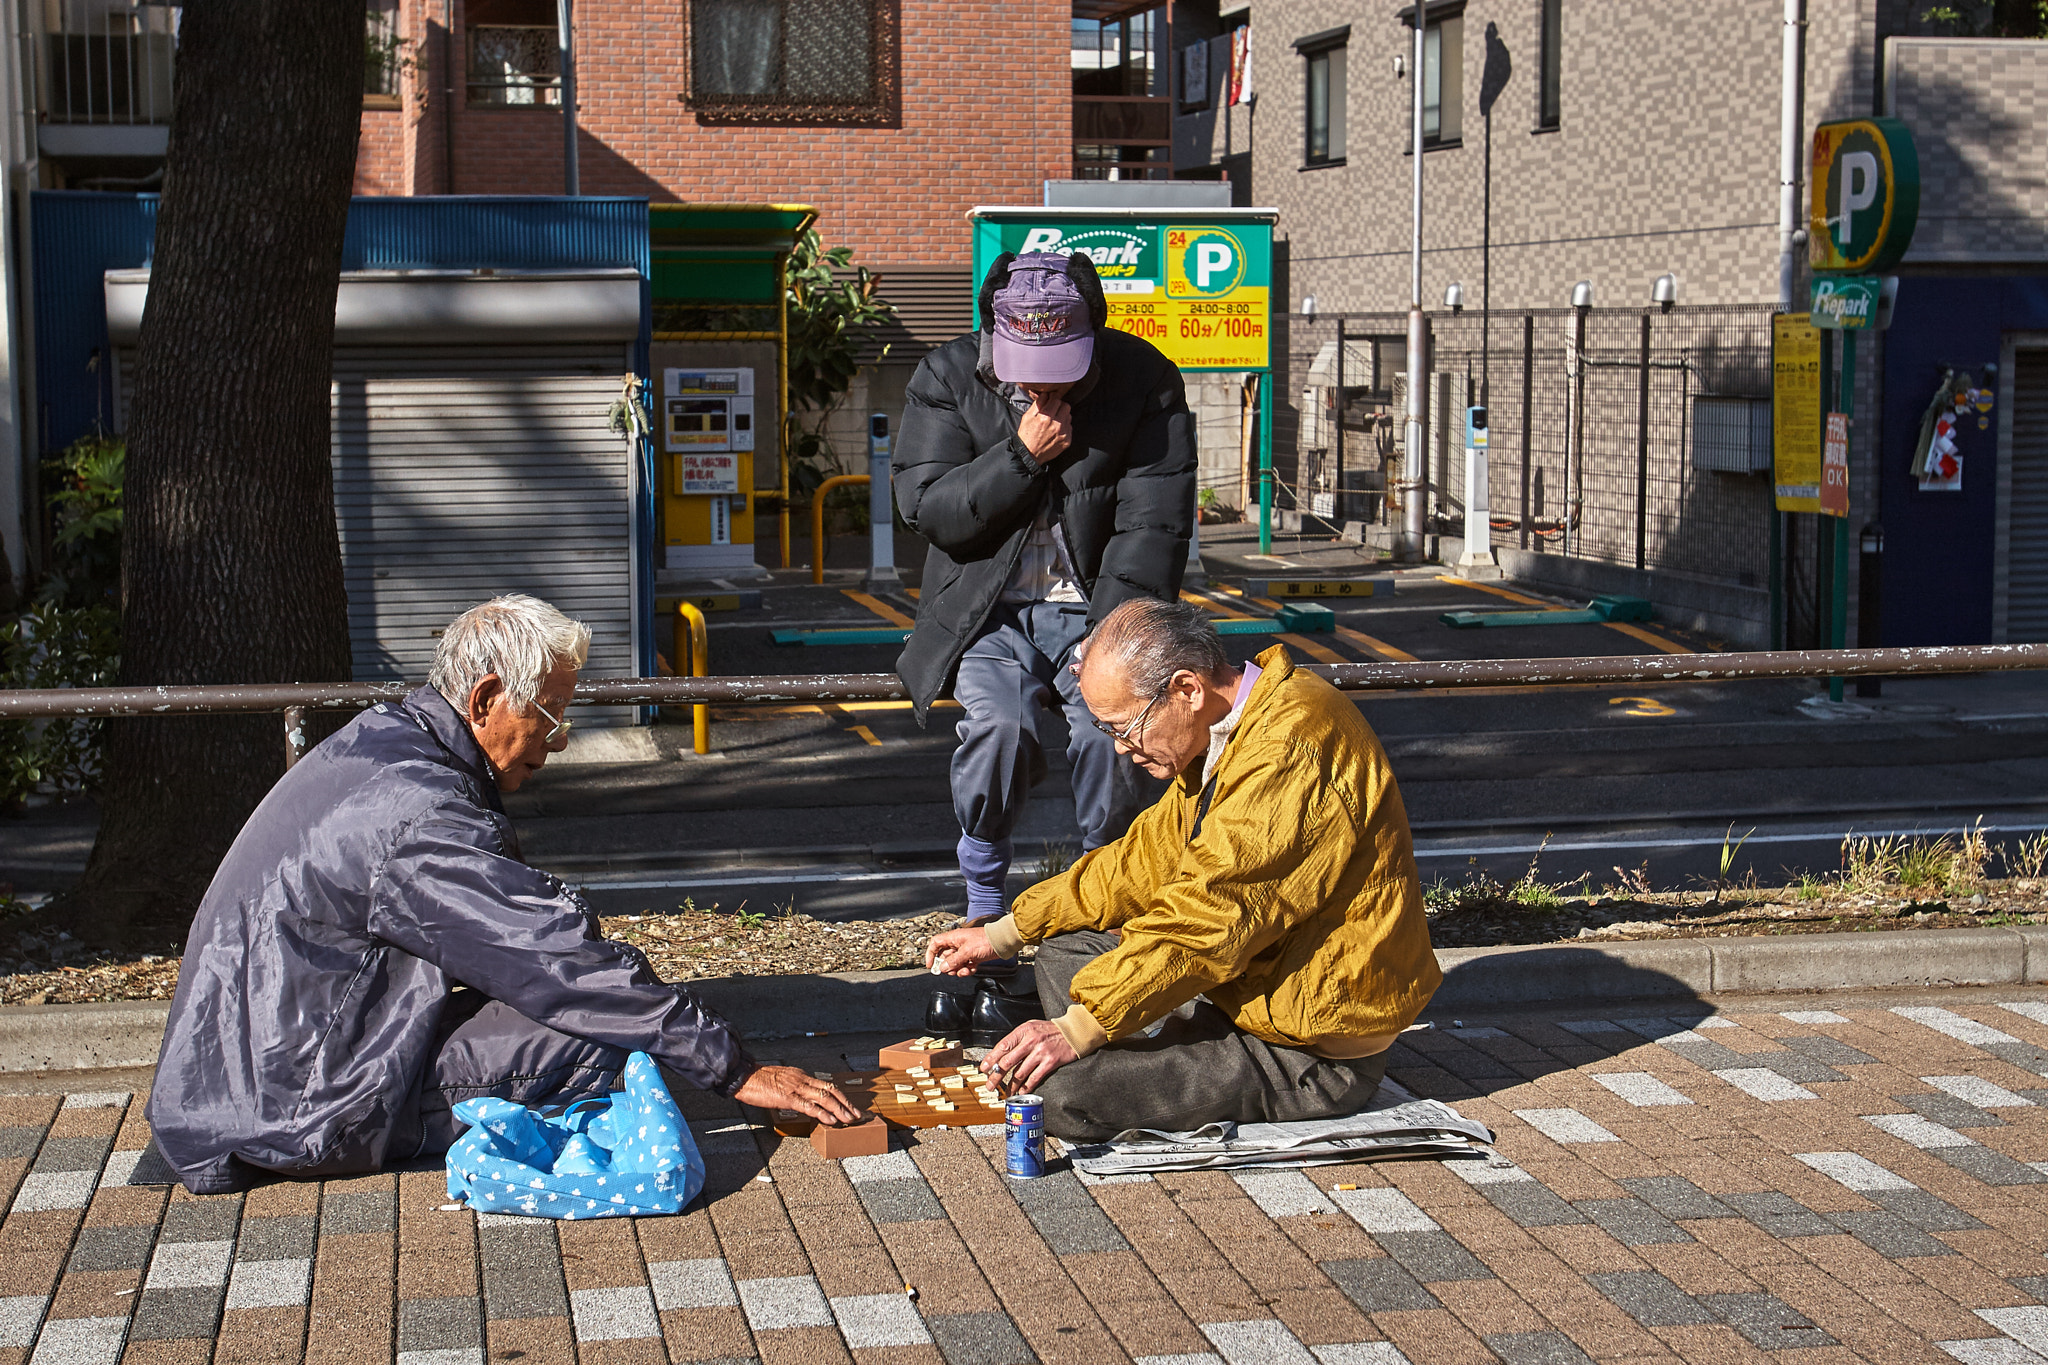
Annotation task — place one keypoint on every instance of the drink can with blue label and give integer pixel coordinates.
(1024, 1136)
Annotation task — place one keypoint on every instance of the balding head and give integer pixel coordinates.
(1156, 677)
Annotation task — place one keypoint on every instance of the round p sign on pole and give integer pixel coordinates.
(1865, 198)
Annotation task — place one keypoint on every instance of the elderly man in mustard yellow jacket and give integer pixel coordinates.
(1253, 945)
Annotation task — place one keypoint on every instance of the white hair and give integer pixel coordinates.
(521, 639)
(1151, 642)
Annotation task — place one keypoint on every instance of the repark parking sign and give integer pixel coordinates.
(1197, 287)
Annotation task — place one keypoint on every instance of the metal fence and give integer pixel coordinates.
(1636, 438)
(294, 700)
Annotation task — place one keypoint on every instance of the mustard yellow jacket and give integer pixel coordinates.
(1296, 910)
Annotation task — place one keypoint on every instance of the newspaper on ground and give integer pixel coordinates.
(1396, 1124)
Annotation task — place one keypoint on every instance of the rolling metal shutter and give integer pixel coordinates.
(459, 475)
(2027, 559)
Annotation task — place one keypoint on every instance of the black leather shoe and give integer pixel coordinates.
(946, 1013)
(996, 1013)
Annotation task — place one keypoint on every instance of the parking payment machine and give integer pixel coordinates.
(719, 347)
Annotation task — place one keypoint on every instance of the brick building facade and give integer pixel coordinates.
(980, 112)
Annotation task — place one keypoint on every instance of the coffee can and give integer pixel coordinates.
(1024, 1136)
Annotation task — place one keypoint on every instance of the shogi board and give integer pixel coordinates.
(875, 1092)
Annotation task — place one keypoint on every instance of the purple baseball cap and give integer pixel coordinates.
(1043, 334)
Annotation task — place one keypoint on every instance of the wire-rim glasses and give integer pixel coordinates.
(1124, 737)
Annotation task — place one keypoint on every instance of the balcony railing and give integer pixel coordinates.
(103, 62)
(1123, 120)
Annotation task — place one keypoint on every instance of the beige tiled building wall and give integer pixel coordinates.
(1665, 158)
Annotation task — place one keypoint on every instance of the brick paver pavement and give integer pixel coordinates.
(1795, 1187)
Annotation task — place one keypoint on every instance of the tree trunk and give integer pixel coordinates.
(230, 563)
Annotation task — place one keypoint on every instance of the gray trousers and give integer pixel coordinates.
(1006, 685)
(1197, 1068)
(485, 1047)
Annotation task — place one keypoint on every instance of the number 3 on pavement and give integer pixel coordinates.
(1642, 706)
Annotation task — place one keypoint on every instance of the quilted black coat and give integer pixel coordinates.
(1123, 493)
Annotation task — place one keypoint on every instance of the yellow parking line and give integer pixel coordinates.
(1499, 592)
(866, 734)
(880, 608)
(1649, 637)
(1313, 650)
(1377, 646)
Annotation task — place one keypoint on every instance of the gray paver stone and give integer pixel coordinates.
(1379, 1285)
(1929, 1213)
(1889, 1235)
(1991, 1167)
(209, 1220)
(451, 1324)
(357, 1211)
(1433, 1256)
(1950, 1111)
(979, 1339)
(899, 1201)
(73, 1154)
(18, 1144)
(275, 1239)
(1633, 1222)
(170, 1314)
(1779, 1215)
(1530, 1203)
(1676, 1197)
(1651, 1299)
(1767, 1320)
(112, 1248)
(1537, 1348)
(525, 1292)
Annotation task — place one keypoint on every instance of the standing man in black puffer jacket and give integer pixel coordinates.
(1050, 462)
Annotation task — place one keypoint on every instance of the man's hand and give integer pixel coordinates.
(958, 951)
(1047, 429)
(788, 1087)
(1032, 1052)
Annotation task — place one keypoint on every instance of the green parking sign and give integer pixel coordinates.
(1865, 197)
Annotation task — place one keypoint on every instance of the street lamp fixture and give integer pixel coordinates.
(1582, 294)
(1664, 292)
(1308, 305)
(1454, 297)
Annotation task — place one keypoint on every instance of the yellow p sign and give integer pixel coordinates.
(1202, 262)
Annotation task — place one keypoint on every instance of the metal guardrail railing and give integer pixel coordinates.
(294, 700)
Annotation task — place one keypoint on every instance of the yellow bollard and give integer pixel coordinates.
(691, 635)
(818, 521)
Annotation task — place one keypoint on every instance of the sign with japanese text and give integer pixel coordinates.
(1865, 198)
(1834, 467)
(1795, 412)
(1199, 291)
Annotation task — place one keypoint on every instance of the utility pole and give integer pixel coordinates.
(565, 22)
(1414, 461)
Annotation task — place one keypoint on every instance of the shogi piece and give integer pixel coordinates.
(902, 1056)
(860, 1139)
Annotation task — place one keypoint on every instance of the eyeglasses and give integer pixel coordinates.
(1124, 736)
(562, 727)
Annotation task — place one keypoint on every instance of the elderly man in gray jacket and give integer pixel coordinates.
(373, 950)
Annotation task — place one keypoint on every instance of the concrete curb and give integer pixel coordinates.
(126, 1033)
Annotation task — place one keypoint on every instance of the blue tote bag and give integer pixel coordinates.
(629, 1156)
